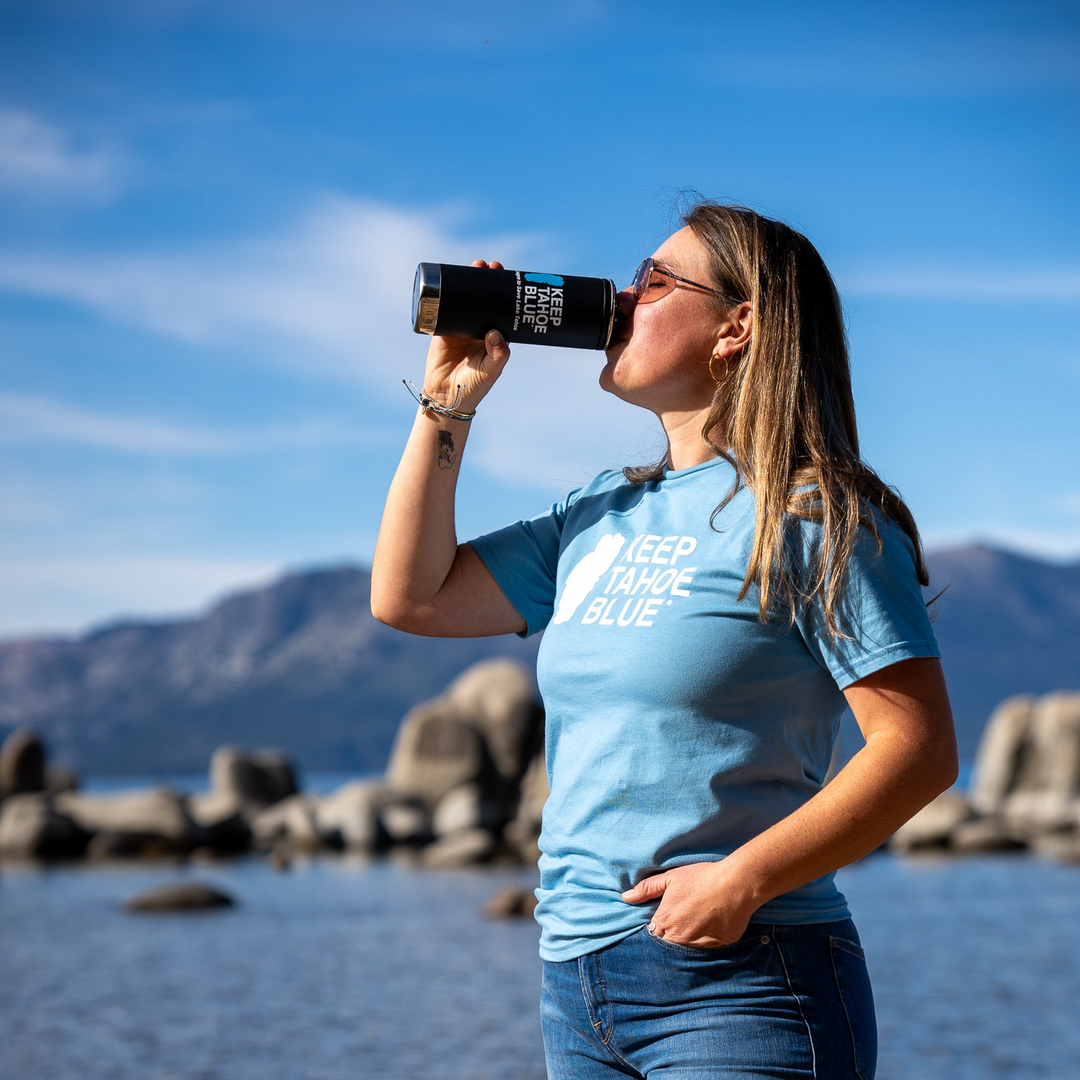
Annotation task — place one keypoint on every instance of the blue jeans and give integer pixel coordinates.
(785, 1001)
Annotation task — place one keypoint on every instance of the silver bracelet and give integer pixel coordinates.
(429, 404)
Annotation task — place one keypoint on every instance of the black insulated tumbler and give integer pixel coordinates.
(538, 309)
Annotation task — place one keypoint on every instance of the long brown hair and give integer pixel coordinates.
(783, 412)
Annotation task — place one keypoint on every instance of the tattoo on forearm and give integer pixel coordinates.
(447, 453)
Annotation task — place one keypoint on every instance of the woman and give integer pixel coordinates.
(707, 621)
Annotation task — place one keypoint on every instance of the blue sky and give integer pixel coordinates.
(210, 214)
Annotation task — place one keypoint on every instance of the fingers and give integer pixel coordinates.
(494, 264)
(693, 906)
(646, 890)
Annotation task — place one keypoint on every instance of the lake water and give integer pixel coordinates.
(342, 967)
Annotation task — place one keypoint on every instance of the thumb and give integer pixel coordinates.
(649, 889)
(496, 347)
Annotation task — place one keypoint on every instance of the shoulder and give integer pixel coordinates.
(879, 559)
(881, 539)
(877, 536)
(878, 616)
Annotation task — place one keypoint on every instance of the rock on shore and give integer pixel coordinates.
(1025, 791)
(464, 785)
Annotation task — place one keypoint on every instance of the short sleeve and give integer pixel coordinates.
(883, 618)
(523, 558)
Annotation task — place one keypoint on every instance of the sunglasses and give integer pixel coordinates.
(653, 282)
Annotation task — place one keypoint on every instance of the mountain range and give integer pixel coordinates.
(302, 665)
(1007, 624)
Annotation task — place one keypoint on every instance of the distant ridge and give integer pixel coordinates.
(1007, 624)
(302, 665)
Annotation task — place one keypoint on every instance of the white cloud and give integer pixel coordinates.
(38, 159)
(939, 282)
(26, 508)
(28, 418)
(327, 296)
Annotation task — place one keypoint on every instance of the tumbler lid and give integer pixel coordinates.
(427, 287)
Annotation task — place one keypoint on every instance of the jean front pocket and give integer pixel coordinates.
(853, 986)
(748, 943)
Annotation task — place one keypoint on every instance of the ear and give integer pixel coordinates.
(735, 330)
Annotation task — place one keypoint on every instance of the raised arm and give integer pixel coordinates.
(422, 580)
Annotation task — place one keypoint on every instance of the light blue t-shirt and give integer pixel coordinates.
(678, 725)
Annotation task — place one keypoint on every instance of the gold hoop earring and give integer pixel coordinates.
(712, 374)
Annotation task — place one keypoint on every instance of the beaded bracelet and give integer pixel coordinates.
(429, 404)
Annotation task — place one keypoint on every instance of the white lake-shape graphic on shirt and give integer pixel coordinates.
(630, 583)
(580, 580)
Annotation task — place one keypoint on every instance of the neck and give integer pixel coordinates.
(686, 447)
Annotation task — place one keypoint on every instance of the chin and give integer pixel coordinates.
(609, 385)
(606, 379)
(607, 372)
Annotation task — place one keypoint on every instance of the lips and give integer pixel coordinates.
(623, 328)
